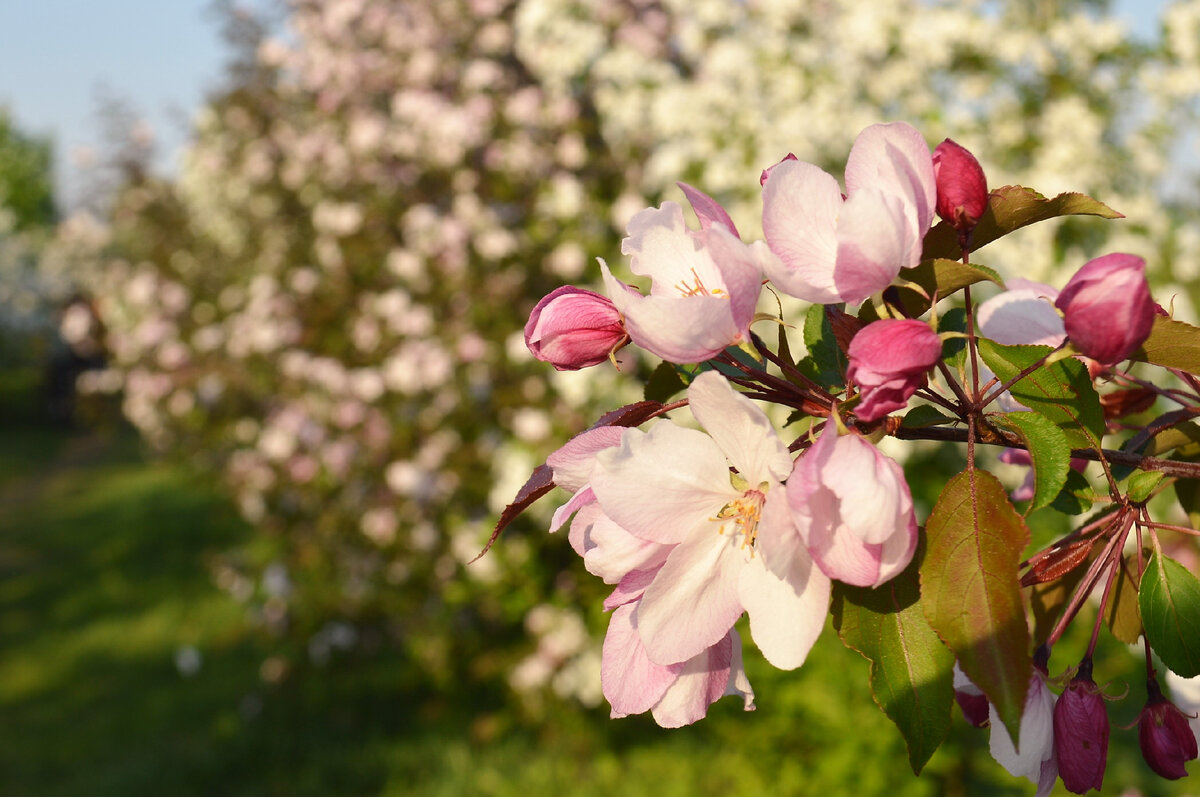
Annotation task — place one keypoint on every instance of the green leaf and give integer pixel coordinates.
(970, 590)
(825, 363)
(954, 350)
(1011, 208)
(947, 276)
(1170, 602)
(1121, 614)
(911, 670)
(926, 415)
(1061, 391)
(1172, 344)
(1185, 437)
(1188, 493)
(1077, 495)
(664, 383)
(1141, 484)
(1048, 449)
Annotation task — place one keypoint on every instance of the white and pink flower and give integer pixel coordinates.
(834, 248)
(853, 510)
(704, 283)
(673, 486)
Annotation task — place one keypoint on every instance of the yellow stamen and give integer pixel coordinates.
(698, 289)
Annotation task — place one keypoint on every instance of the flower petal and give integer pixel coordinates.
(693, 601)
(875, 237)
(801, 204)
(786, 614)
(572, 463)
(740, 429)
(895, 158)
(630, 681)
(661, 484)
(701, 682)
(707, 209)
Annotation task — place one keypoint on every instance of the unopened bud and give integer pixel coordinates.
(1107, 309)
(962, 193)
(889, 360)
(1165, 736)
(1081, 733)
(573, 328)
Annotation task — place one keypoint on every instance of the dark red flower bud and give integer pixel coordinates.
(1166, 737)
(573, 328)
(1107, 309)
(1081, 733)
(962, 193)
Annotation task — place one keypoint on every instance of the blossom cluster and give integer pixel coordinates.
(696, 528)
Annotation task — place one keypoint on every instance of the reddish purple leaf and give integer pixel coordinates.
(970, 589)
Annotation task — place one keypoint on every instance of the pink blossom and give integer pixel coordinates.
(832, 248)
(704, 284)
(1081, 734)
(1107, 309)
(962, 193)
(889, 360)
(673, 486)
(853, 510)
(573, 328)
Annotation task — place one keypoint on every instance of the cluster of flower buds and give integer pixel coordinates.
(696, 528)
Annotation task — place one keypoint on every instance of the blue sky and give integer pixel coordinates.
(57, 56)
(161, 56)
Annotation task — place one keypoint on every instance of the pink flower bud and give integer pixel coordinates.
(962, 193)
(1107, 309)
(572, 328)
(1081, 733)
(1166, 738)
(888, 361)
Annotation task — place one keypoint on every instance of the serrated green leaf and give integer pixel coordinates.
(1077, 495)
(971, 593)
(664, 383)
(1048, 448)
(1121, 614)
(1141, 484)
(1011, 208)
(925, 415)
(1061, 391)
(825, 363)
(1172, 344)
(1169, 597)
(911, 670)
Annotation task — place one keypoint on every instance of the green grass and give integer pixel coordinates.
(104, 575)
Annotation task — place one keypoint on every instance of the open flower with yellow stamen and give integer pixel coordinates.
(704, 283)
(674, 486)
